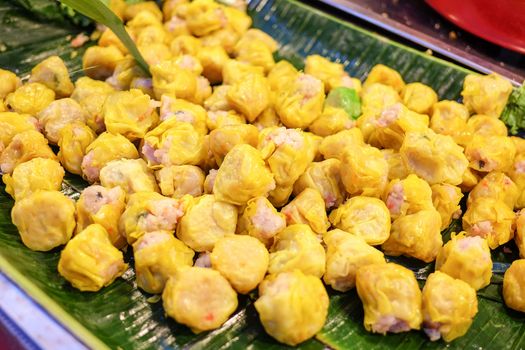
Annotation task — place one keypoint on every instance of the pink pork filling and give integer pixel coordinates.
(391, 324)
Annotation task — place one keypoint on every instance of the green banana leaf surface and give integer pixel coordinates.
(121, 316)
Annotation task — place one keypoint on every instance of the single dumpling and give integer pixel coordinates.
(366, 217)
(391, 298)
(517, 174)
(99, 62)
(375, 98)
(73, 141)
(433, 157)
(199, 298)
(24, 147)
(282, 72)
(450, 118)
(484, 125)
(416, 235)
(466, 258)
(171, 79)
(385, 75)
(223, 139)
(89, 261)
(364, 171)
(300, 101)
(99, 205)
(179, 180)
(250, 96)
(91, 95)
(206, 220)
(104, 149)
(158, 255)
(514, 286)
(491, 219)
(407, 196)
(9, 82)
(307, 208)
(132, 175)
(396, 167)
(52, 72)
(419, 97)
(58, 114)
(331, 121)
(495, 185)
(446, 200)
(12, 123)
(519, 237)
(172, 143)
(43, 230)
(242, 176)
(129, 113)
(34, 175)
(261, 220)
(490, 153)
(335, 146)
(185, 112)
(213, 59)
(30, 98)
(486, 94)
(297, 247)
(449, 305)
(234, 72)
(345, 254)
(323, 69)
(243, 260)
(255, 51)
(147, 212)
(292, 306)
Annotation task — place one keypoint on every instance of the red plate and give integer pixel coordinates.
(499, 21)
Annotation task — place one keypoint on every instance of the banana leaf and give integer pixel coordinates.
(122, 316)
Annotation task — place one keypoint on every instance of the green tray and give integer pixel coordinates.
(120, 316)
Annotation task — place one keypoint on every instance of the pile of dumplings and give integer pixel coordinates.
(226, 172)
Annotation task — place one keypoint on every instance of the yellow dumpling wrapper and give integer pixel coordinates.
(433, 157)
(132, 175)
(43, 230)
(129, 113)
(34, 175)
(9, 82)
(345, 254)
(58, 114)
(385, 75)
(450, 118)
(292, 306)
(396, 167)
(242, 259)
(158, 255)
(466, 258)
(484, 125)
(99, 205)
(514, 286)
(375, 98)
(89, 261)
(470, 179)
(416, 235)
(223, 139)
(12, 123)
(184, 112)
(147, 212)
(185, 44)
(219, 119)
(364, 171)
(323, 69)
(91, 95)
(495, 185)
(242, 176)
(366, 217)
(391, 298)
(407, 196)
(324, 177)
(281, 73)
(73, 141)
(213, 59)
(335, 146)
(297, 247)
(24, 147)
(331, 121)
(307, 208)
(99, 62)
(490, 153)
(392, 124)
(491, 219)
(204, 17)
(300, 101)
(106, 148)
(486, 94)
(134, 11)
(30, 98)
(200, 298)
(52, 72)
(250, 96)
(419, 97)
(179, 180)
(206, 220)
(234, 72)
(446, 200)
(261, 220)
(255, 52)
(449, 305)
(265, 39)
(288, 152)
(125, 71)
(517, 174)
(170, 79)
(172, 143)
(519, 236)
